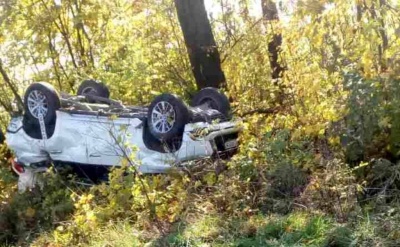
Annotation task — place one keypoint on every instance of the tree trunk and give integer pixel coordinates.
(270, 13)
(200, 43)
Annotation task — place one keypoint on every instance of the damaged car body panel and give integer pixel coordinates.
(94, 140)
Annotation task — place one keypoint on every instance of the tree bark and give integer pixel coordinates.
(200, 43)
(270, 13)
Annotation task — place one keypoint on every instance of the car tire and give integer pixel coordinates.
(212, 98)
(155, 144)
(41, 98)
(95, 88)
(167, 117)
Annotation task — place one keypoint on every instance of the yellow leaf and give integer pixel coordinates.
(30, 212)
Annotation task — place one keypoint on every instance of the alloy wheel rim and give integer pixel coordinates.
(37, 104)
(163, 117)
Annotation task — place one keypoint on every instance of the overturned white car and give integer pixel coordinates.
(94, 131)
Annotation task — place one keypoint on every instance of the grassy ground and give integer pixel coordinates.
(295, 229)
(287, 207)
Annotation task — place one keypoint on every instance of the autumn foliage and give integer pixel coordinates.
(319, 152)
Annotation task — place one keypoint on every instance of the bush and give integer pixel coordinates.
(22, 216)
(381, 181)
(333, 189)
(286, 181)
(146, 202)
(372, 126)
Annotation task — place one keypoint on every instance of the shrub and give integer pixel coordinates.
(333, 189)
(148, 202)
(286, 181)
(372, 126)
(34, 211)
(381, 181)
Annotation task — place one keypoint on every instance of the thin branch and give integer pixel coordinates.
(79, 37)
(82, 27)
(6, 106)
(136, 173)
(52, 52)
(237, 41)
(11, 86)
(271, 110)
(65, 34)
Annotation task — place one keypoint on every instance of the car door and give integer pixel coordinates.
(110, 140)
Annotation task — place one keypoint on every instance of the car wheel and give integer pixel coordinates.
(212, 98)
(93, 87)
(41, 99)
(167, 117)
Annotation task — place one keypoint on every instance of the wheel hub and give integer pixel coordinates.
(163, 117)
(37, 104)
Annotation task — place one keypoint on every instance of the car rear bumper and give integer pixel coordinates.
(28, 177)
